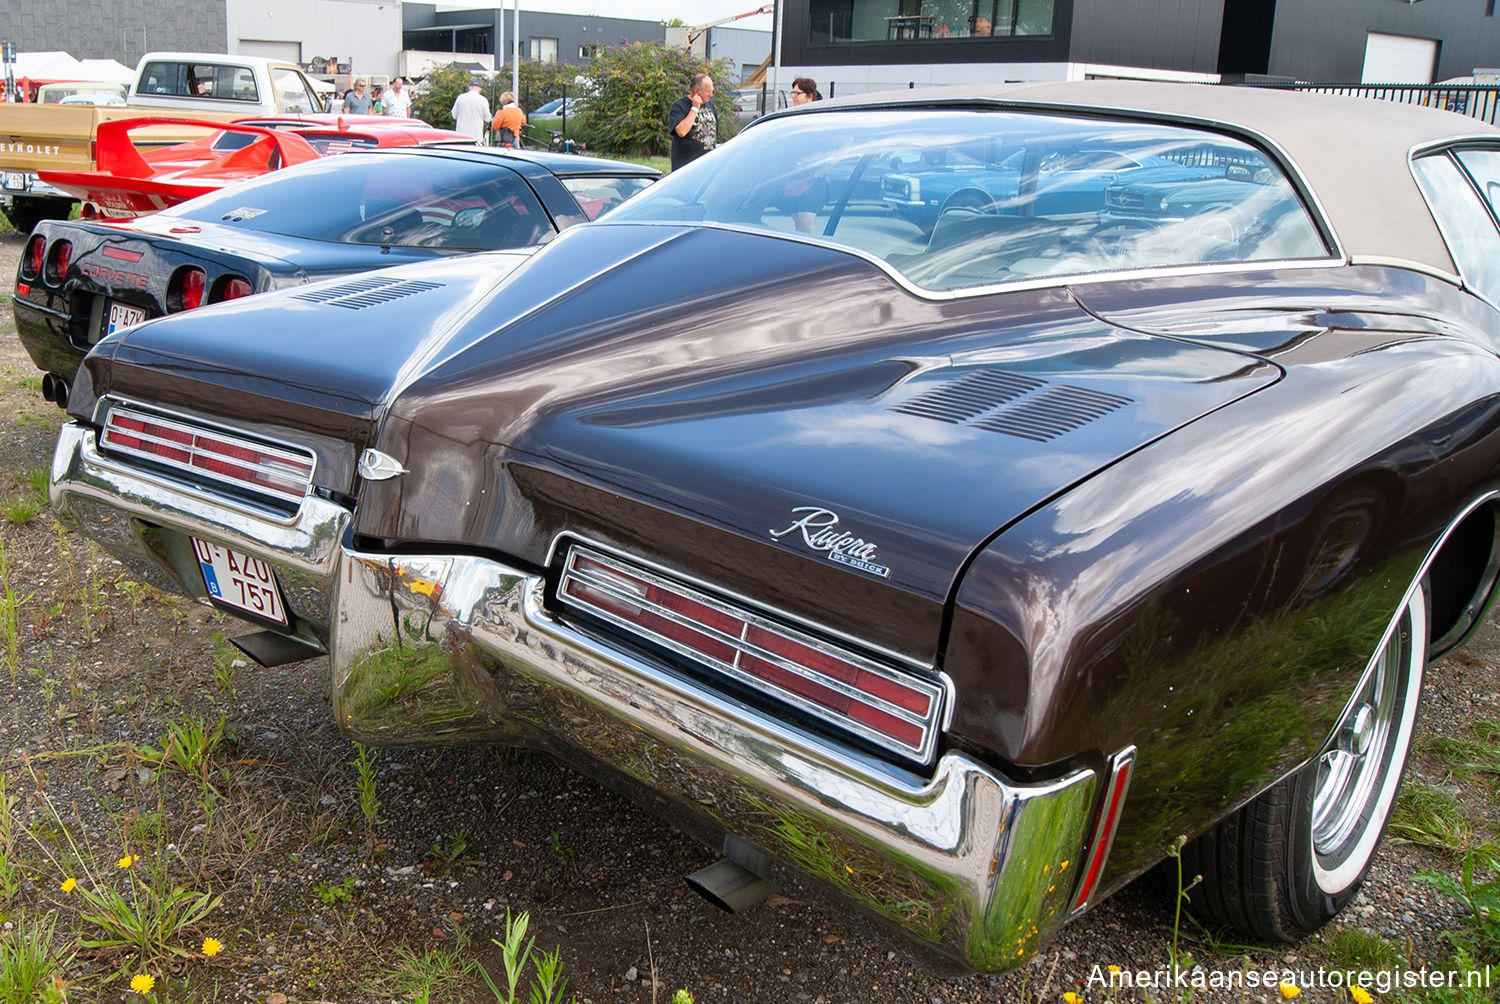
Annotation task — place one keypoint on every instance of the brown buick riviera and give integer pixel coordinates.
(942, 500)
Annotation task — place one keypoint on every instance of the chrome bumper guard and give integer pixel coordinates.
(428, 649)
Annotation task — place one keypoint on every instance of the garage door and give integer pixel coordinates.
(287, 52)
(1396, 59)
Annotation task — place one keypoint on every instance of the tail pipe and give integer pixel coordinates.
(55, 389)
(728, 886)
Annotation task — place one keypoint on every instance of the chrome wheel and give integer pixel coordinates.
(1360, 768)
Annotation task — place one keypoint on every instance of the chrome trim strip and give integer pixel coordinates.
(922, 752)
(965, 860)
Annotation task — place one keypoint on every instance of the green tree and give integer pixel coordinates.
(634, 85)
(542, 82)
(439, 88)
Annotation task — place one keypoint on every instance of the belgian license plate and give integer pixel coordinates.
(240, 580)
(122, 315)
(15, 181)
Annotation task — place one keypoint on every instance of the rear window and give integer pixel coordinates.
(383, 200)
(199, 80)
(961, 199)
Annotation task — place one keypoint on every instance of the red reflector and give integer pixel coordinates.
(24, 288)
(1104, 832)
(121, 254)
(185, 292)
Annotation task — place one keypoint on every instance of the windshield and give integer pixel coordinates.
(955, 199)
(386, 200)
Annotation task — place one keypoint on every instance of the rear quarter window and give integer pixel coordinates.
(1463, 191)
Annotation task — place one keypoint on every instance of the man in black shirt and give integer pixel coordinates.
(694, 127)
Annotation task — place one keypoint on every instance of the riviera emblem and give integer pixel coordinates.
(820, 532)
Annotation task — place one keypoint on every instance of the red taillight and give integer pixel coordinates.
(225, 458)
(88, 212)
(898, 710)
(58, 261)
(185, 291)
(230, 287)
(31, 261)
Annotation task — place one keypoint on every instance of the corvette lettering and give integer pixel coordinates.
(820, 532)
(113, 276)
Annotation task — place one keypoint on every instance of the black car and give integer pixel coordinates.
(81, 280)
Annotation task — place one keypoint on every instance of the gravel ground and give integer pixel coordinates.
(319, 906)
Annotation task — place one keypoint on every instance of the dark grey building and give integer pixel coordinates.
(95, 29)
(859, 45)
(566, 38)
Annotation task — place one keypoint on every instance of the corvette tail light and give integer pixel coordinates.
(31, 261)
(88, 212)
(58, 260)
(230, 287)
(220, 456)
(893, 709)
(185, 291)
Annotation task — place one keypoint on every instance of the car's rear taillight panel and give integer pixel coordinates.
(58, 260)
(881, 704)
(230, 287)
(32, 258)
(186, 288)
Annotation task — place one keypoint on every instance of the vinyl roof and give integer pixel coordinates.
(1353, 152)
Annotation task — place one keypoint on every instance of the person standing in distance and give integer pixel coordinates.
(508, 122)
(695, 128)
(397, 101)
(471, 111)
(357, 102)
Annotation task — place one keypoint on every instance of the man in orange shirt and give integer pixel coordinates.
(508, 121)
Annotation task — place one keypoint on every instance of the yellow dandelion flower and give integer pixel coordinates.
(142, 983)
(128, 860)
(1361, 995)
(1113, 968)
(1289, 990)
(212, 947)
(1071, 998)
(69, 884)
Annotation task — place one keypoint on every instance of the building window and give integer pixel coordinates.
(544, 50)
(907, 20)
(589, 51)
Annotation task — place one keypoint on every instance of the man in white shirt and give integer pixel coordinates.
(471, 111)
(397, 100)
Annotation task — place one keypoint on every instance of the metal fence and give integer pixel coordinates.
(1474, 100)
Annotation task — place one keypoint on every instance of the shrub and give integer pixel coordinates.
(633, 86)
(439, 88)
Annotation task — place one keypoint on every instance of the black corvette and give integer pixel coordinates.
(79, 281)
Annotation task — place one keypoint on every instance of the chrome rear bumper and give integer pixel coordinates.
(429, 649)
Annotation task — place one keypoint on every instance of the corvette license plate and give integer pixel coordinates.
(240, 580)
(15, 181)
(122, 315)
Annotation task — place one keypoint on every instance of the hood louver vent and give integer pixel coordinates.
(1012, 404)
(361, 293)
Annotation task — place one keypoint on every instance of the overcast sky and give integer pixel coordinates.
(692, 12)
